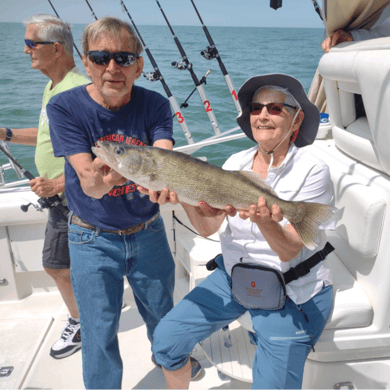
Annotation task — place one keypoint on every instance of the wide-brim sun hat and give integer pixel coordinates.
(309, 127)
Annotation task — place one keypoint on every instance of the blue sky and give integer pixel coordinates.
(251, 13)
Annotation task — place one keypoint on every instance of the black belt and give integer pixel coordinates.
(303, 268)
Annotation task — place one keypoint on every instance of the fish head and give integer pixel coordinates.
(123, 158)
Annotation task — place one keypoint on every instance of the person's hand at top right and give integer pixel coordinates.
(335, 38)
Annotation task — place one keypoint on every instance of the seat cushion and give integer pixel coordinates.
(351, 307)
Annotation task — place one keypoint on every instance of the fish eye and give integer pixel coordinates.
(119, 150)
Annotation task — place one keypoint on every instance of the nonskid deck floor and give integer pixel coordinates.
(35, 323)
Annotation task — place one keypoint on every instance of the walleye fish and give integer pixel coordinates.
(194, 180)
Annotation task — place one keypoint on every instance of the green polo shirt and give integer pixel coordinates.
(50, 167)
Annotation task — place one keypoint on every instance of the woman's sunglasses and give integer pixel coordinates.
(272, 108)
(122, 58)
(31, 44)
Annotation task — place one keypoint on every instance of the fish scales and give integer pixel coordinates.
(194, 180)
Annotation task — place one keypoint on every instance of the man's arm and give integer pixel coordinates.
(164, 144)
(26, 136)
(96, 178)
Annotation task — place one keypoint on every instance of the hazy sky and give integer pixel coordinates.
(251, 13)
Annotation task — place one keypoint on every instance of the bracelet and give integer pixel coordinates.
(8, 135)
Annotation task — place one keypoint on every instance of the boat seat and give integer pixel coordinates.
(351, 308)
(357, 236)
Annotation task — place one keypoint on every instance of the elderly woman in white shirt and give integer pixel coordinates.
(279, 118)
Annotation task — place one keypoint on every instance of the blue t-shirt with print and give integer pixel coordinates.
(77, 122)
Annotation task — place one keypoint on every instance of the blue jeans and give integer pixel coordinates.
(284, 337)
(99, 261)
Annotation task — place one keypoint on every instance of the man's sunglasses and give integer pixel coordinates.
(31, 44)
(272, 108)
(122, 58)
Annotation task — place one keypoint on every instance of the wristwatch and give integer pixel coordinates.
(8, 135)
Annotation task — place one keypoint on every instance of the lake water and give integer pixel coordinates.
(245, 51)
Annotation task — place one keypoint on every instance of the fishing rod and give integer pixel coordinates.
(317, 9)
(203, 81)
(58, 16)
(211, 52)
(93, 13)
(156, 75)
(45, 203)
(185, 64)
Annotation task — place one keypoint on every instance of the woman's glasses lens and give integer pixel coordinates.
(103, 57)
(272, 108)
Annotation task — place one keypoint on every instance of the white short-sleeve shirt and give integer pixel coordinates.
(300, 177)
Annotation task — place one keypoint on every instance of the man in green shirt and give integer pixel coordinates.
(49, 42)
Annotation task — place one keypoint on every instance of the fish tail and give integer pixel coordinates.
(314, 215)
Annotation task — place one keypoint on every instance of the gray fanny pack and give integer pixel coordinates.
(257, 286)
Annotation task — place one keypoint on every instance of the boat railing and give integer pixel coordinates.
(213, 140)
(8, 166)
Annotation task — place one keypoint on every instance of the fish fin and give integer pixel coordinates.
(315, 216)
(258, 180)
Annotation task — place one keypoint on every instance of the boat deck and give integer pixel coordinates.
(31, 326)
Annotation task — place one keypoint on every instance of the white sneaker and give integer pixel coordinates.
(69, 342)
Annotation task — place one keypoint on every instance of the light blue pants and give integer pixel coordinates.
(284, 337)
(98, 263)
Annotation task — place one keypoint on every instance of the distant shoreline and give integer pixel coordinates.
(197, 26)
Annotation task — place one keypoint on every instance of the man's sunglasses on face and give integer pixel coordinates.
(31, 44)
(122, 58)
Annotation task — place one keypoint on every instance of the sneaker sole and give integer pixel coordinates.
(55, 355)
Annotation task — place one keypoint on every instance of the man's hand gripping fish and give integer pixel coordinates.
(194, 180)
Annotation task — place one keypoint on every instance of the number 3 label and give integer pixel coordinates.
(180, 118)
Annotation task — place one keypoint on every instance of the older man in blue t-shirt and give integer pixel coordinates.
(114, 229)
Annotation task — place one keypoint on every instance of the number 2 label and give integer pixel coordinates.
(208, 106)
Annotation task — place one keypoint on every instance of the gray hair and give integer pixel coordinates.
(53, 29)
(110, 25)
(288, 98)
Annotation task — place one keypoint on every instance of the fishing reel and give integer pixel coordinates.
(48, 203)
(152, 76)
(181, 65)
(209, 53)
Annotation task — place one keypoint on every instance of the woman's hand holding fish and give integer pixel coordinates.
(285, 242)
(261, 214)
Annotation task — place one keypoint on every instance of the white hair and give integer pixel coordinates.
(53, 29)
(288, 98)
